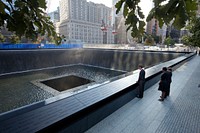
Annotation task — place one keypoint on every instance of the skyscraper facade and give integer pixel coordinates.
(54, 16)
(153, 28)
(82, 20)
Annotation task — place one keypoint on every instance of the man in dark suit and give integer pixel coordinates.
(141, 81)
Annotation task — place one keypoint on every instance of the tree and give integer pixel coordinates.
(186, 40)
(169, 41)
(156, 38)
(176, 11)
(149, 40)
(193, 39)
(14, 39)
(194, 27)
(27, 18)
(2, 38)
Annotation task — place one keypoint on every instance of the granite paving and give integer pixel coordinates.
(178, 113)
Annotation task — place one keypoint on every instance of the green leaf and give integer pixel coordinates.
(141, 26)
(37, 24)
(191, 7)
(161, 22)
(125, 10)
(181, 17)
(42, 4)
(170, 6)
(2, 7)
(129, 3)
(118, 5)
(131, 19)
(19, 4)
(128, 28)
(151, 15)
(158, 2)
(34, 3)
(140, 14)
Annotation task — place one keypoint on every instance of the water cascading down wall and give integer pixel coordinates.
(23, 60)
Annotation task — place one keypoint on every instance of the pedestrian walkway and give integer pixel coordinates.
(179, 113)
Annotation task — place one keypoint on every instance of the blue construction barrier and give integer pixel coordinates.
(39, 46)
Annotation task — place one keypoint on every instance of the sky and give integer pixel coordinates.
(145, 5)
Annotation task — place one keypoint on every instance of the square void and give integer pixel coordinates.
(66, 83)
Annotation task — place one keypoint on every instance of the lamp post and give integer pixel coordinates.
(114, 32)
(104, 29)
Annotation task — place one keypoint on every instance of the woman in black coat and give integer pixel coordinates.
(163, 84)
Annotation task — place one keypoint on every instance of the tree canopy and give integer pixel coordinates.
(27, 18)
(149, 40)
(169, 41)
(2, 38)
(165, 11)
(193, 39)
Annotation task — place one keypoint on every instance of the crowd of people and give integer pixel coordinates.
(164, 84)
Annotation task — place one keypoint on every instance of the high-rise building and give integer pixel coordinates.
(54, 16)
(153, 28)
(81, 20)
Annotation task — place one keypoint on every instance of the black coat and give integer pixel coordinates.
(163, 84)
(141, 76)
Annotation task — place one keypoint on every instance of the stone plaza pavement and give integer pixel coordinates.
(179, 113)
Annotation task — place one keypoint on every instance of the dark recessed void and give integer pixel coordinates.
(65, 83)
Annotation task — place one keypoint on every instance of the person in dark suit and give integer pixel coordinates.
(169, 80)
(141, 81)
(163, 84)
